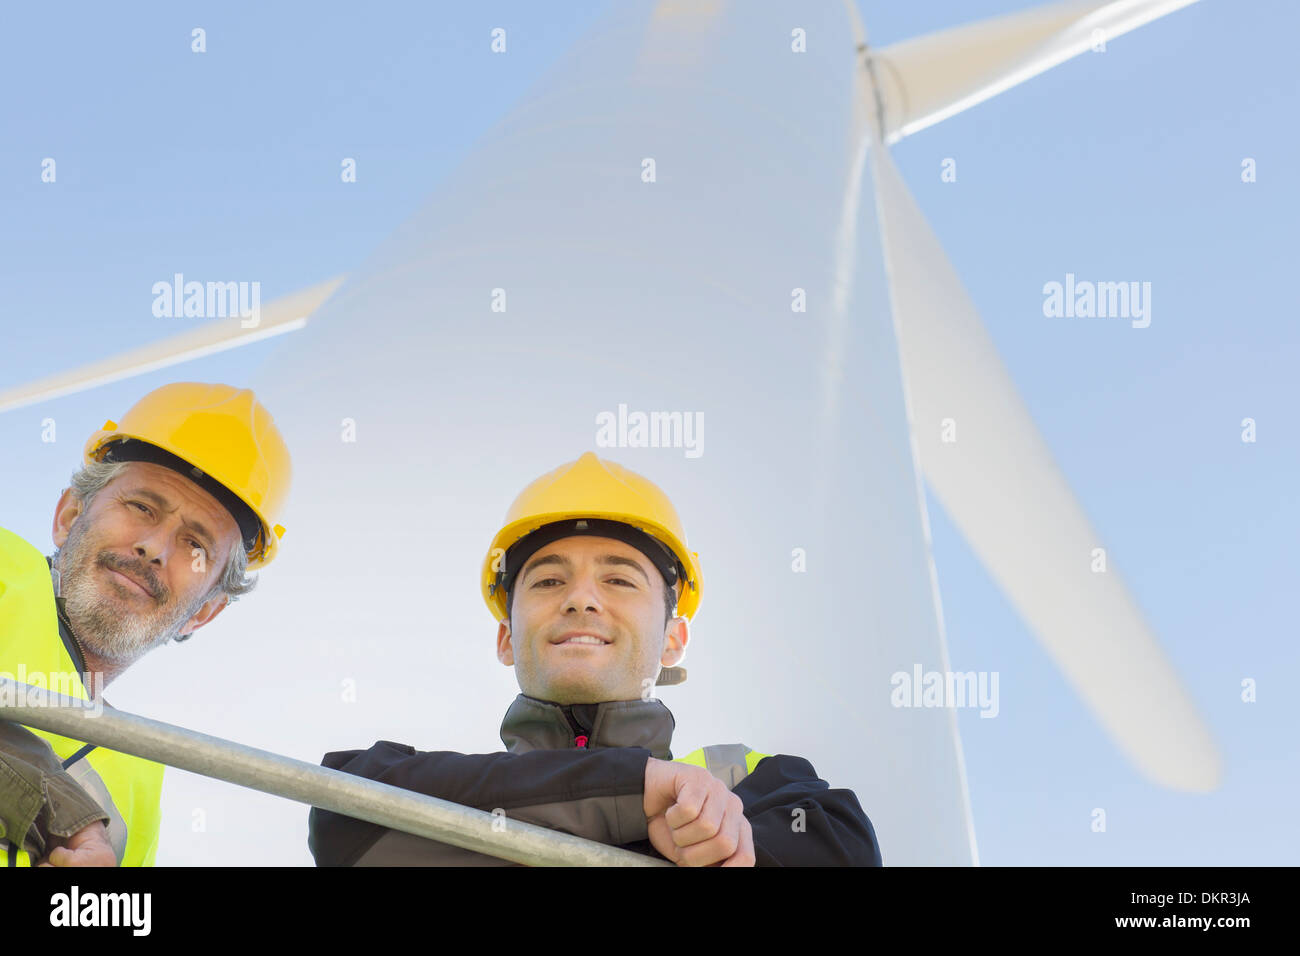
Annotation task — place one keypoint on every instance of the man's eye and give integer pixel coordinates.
(621, 581)
(141, 507)
(538, 584)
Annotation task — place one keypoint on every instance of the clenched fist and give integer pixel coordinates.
(694, 820)
(86, 847)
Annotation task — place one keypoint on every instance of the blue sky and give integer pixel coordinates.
(1122, 165)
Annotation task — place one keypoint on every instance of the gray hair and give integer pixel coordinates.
(234, 582)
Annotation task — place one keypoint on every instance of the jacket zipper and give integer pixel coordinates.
(579, 738)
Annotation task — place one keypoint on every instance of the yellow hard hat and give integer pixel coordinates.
(592, 496)
(222, 439)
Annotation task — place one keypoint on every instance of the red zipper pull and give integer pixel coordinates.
(580, 741)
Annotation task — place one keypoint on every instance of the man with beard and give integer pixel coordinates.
(155, 537)
(591, 585)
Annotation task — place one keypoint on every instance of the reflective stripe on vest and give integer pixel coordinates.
(128, 788)
(730, 763)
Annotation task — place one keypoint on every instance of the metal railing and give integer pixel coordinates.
(306, 783)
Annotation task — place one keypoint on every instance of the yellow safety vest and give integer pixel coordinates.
(730, 763)
(129, 789)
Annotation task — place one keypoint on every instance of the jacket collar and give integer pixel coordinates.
(532, 724)
(70, 642)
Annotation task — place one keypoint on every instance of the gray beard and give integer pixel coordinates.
(98, 619)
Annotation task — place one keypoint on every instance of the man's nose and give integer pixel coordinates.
(583, 596)
(154, 547)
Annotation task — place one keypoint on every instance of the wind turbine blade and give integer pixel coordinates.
(1000, 486)
(285, 314)
(929, 78)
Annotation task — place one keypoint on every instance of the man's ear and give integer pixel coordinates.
(676, 636)
(68, 508)
(206, 613)
(505, 652)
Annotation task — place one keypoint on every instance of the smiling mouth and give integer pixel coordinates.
(583, 640)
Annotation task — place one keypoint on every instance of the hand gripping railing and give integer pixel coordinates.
(306, 783)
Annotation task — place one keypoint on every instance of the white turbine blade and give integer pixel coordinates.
(929, 78)
(1001, 487)
(285, 314)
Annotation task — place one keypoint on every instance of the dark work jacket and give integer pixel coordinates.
(581, 769)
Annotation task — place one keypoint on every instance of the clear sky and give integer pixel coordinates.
(1122, 165)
